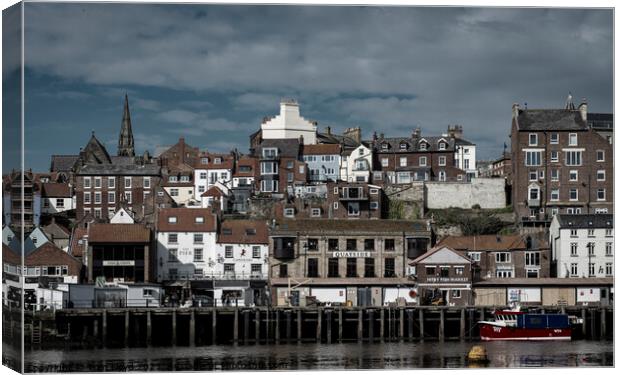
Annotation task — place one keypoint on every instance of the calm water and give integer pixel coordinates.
(312, 356)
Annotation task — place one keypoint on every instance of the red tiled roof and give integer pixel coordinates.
(9, 256)
(484, 242)
(186, 220)
(50, 255)
(246, 162)
(321, 149)
(54, 189)
(226, 161)
(118, 233)
(76, 248)
(239, 232)
(213, 191)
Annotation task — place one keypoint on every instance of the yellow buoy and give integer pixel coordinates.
(477, 354)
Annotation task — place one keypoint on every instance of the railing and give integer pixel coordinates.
(219, 276)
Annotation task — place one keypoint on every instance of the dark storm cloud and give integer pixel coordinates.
(385, 68)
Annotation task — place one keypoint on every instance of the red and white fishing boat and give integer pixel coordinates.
(515, 324)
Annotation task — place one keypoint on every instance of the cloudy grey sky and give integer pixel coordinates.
(211, 73)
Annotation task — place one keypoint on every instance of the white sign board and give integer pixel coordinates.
(588, 294)
(524, 295)
(352, 254)
(118, 262)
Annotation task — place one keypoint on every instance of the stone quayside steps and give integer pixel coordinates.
(145, 327)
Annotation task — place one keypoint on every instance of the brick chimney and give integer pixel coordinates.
(328, 130)
(416, 132)
(515, 110)
(354, 133)
(583, 110)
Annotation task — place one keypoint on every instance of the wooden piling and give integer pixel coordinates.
(192, 328)
(328, 325)
(148, 328)
(299, 332)
(174, 327)
(584, 326)
(257, 326)
(593, 324)
(471, 323)
(236, 327)
(214, 326)
(277, 313)
(441, 324)
(360, 328)
(421, 323)
(462, 326)
(603, 323)
(104, 327)
(371, 324)
(288, 325)
(381, 324)
(410, 324)
(246, 327)
(340, 325)
(126, 340)
(401, 322)
(319, 320)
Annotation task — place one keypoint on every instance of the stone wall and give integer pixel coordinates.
(489, 193)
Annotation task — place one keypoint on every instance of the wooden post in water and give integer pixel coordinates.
(104, 327)
(381, 324)
(96, 327)
(288, 325)
(174, 327)
(441, 324)
(319, 320)
(236, 326)
(277, 312)
(421, 323)
(328, 326)
(603, 323)
(401, 321)
(462, 326)
(299, 332)
(360, 328)
(389, 311)
(584, 327)
(593, 324)
(371, 323)
(214, 326)
(126, 340)
(471, 323)
(148, 328)
(192, 328)
(409, 324)
(246, 327)
(340, 325)
(257, 327)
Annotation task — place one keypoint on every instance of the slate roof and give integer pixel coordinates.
(239, 232)
(118, 233)
(186, 220)
(55, 190)
(336, 139)
(484, 242)
(63, 163)
(586, 221)
(601, 121)
(550, 119)
(56, 231)
(122, 168)
(287, 148)
(350, 226)
(413, 144)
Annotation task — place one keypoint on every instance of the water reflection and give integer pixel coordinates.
(312, 356)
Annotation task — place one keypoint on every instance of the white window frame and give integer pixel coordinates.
(555, 195)
(403, 161)
(289, 212)
(87, 183)
(442, 161)
(572, 156)
(602, 152)
(97, 182)
(598, 194)
(555, 175)
(554, 138)
(146, 183)
(423, 161)
(127, 183)
(111, 182)
(572, 137)
(554, 157)
(572, 173)
(532, 139)
(598, 175)
(385, 162)
(87, 197)
(570, 193)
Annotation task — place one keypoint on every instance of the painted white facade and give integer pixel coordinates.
(357, 166)
(465, 158)
(241, 261)
(204, 179)
(7, 235)
(323, 168)
(242, 181)
(570, 249)
(37, 237)
(56, 205)
(121, 217)
(183, 256)
(289, 125)
(181, 195)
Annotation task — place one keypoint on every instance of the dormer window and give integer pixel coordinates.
(172, 219)
(217, 161)
(423, 146)
(270, 152)
(250, 231)
(199, 219)
(204, 161)
(442, 145)
(172, 179)
(184, 178)
(384, 146)
(403, 146)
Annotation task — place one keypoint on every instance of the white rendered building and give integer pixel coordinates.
(289, 124)
(356, 166)
(582, 245)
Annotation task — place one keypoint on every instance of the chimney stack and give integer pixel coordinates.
(583, 110)
(416, 132)
(354, 133)
(515, 110)
(329, 130)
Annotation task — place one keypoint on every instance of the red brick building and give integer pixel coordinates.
(561, 162)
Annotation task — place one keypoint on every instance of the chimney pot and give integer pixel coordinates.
(583, 110)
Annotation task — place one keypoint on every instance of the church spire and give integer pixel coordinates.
(125, 140)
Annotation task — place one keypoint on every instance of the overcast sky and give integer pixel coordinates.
(211, 73)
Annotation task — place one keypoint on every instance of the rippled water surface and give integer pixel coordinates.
(313, 356)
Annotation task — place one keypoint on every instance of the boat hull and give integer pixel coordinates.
(489, 332)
